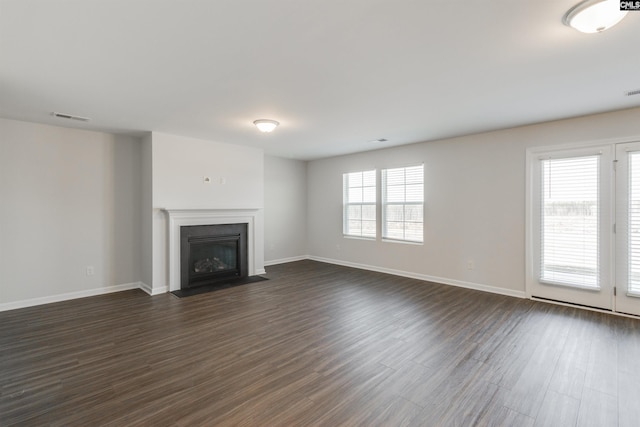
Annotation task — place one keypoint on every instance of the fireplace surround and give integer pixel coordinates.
(177, 218)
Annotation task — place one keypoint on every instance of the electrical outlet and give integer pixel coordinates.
(90, 270)
(470, 265)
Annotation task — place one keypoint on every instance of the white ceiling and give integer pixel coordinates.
(336, 74)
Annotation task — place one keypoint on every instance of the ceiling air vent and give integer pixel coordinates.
(632, 92)
(70, 117)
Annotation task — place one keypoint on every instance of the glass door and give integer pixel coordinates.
(570, 228)
(627, 292)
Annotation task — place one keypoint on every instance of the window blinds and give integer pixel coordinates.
(359, 203)
(570, 221)
(633, 228)
(403, 203)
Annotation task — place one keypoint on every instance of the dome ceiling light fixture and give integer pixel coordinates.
(265, 125)
(594, 16)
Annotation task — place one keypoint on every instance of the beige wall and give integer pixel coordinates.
(178, 166)
(474, 202)
(112, 187)
(285, 209)
(69, 199)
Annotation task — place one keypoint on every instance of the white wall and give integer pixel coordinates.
(69, 199)
(474, 202)
(285, 209)
(54, 180)
(178, 167)
(146, 231)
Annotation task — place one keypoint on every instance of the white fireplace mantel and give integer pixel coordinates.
(185, 217)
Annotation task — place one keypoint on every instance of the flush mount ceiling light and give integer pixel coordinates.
(594, 16)
(266, 125)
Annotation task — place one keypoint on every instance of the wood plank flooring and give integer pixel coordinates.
(317, 345)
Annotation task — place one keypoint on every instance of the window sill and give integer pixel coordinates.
(406, 242)
(371, 239)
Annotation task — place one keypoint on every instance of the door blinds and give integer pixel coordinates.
(570, 221)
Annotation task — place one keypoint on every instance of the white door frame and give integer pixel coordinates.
(531, 249)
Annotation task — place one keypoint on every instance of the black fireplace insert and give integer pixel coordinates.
(211, 254)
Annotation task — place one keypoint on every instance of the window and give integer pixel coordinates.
(570, 218)
(359, 204)
(633, 223)
(403, 204)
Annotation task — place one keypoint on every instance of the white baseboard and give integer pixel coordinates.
(154, 291)
(148, 289)
(160, 290)
(285, 260)
(425, 277)
(69, 295)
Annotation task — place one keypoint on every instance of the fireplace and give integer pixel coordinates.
(178, 218)
(211, 254)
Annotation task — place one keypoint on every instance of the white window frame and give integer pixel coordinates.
(593, 297)
(346, 204)
(577, 281)
(404, 203)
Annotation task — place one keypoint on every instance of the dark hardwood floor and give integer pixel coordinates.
(318, 344)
